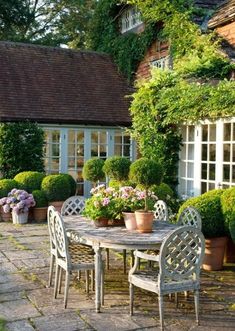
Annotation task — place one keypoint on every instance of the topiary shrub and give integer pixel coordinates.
(117, 168)
(163, 191)
(209, 207)
(6, 185)
(40, 198)
(56, 187)
(228, 209)
(146, 172)
(93, 170)
(30, 180)
(72, 183)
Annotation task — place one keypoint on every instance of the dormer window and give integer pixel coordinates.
(130, 19)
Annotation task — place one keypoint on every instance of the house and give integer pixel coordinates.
(207, 158)
(77, 97)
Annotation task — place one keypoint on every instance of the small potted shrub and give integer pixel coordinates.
(41, 203)
(228, 209)
(72, 183)
(30, 180)
(213, 227)
(146, 172)
(6, 185)
(93, 170)
(117, 168)
(57, 189)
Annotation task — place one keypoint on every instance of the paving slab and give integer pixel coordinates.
(19, 326)
(18, 309)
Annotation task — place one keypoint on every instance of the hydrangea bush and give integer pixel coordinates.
(18, 201)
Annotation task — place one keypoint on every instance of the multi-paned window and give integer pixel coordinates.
(130, 19)
(162, 63)
(207, 157)
(66, 150)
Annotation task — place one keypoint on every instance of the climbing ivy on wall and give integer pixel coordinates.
(127, 50)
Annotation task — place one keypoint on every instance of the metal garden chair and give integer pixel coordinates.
(161, 211)
(190, 216)
(180, 259)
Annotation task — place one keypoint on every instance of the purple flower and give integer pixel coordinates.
(106, 201)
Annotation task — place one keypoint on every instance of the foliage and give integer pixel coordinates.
(2, 324)
(30, 180)
(116, 184)
(117, 168)
(209, 207)
(56, 187)
(93, 170)
(228, 208)
(146, 172)
(18, 201)
(48, 22)
(21, 148)
(162, 191)
(72, 183)
(40, 198)
(6, 185)
(127, 50)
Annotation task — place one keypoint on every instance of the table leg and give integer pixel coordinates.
(98, 271)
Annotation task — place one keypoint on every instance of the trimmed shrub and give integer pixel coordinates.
(209, 207)
(163, 191)
(72, 183)
(117, 167)
(40, 198)
(6, 185)
(228, 209)
(93, 170)
(56, 187)
(30, 180)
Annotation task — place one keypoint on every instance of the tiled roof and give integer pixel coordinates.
(209, 6)
(225, 14)
(54, 85)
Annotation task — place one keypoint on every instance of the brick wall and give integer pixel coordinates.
(228, 32)
(156, 51)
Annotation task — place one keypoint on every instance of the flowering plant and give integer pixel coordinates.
(18, 201)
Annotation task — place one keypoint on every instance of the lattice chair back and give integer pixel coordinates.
(161, 211)
(73, 206)
(61, 239)
(50, 221)
(190, 216)
(181, 256)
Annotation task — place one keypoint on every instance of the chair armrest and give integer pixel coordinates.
(146, 256)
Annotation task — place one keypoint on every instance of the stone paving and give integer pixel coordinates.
(26, 304)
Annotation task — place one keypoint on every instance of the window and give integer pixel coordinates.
(207, 157)
(130, 19)
(52, 151)
(162, 63)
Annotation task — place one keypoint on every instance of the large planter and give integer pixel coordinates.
(229, 256)
(39, 214)
(214, 253)
(20, 218)
(57, 205)
(5, 217)
(144, 221)
(130, 220)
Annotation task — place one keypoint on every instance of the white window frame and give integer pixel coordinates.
(130, 19)
(162, 63)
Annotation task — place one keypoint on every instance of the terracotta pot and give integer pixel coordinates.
(20, 218)
(116, 222)
(214, 253)
(144, 221)
(130, 221)
(5, 217)
(40, 214)
(57, 205)
(101, 222)
(229, 256)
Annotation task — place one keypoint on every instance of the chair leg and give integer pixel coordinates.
(196, 301)
(79, 274)
(66, 289)
(56, 280)
(107, 258)
(176, 299)
(124, 261)
(131, 288)
(102, 286)
(161, 311)
(52, 262)
(60, 280)
(93, 280)
(186, 295)
(87, 281)
(132, 258)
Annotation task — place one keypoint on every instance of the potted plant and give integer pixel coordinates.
(117, 168)
(213, 227)
(30, 180)
(6, 185)
(102, 206)
(146, 172)
(72, 183)
(40, 208)
(93, 170)
(18, 202)
(57, 189)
